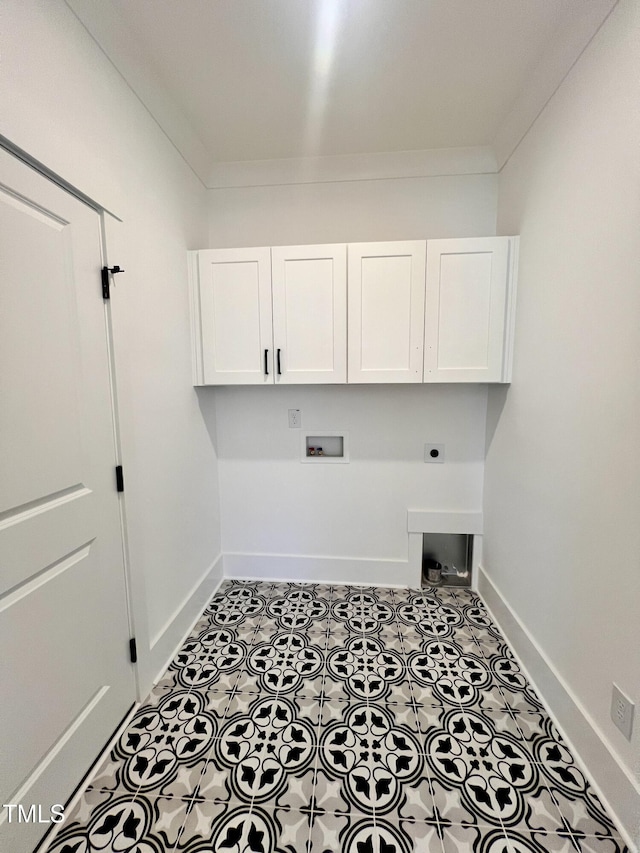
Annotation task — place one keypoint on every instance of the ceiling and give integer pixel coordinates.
(246, 80)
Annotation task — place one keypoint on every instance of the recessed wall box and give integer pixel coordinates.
(325, 447)
(453, 552)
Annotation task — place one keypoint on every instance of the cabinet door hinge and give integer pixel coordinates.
(106, 288)
(133, 650)
(119, 479)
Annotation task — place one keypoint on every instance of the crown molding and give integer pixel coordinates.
(119, 45)
(354, 167)
(548, 75)
(107, 28)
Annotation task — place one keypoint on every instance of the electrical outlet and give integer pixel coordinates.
(434, 453)
(622, 711)
(295, 418)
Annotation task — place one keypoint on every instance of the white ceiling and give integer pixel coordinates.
(242, 80)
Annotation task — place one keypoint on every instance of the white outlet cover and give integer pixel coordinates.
(434, 453)
(295, 418)
(622, 711)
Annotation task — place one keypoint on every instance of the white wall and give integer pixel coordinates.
(562, 485)
(65, 104)
(353, 515)
(353, 211)
(345, 522)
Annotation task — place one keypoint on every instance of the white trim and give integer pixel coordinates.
(307, 568)
(609, 777)
(166, 642)
(195, 317)
(116, 42)
(69, 808)
(553, 67)
(354, 167)
(510, 309)
(360, 584)
(23, 791)
(426, 521)
(189, 612)
(43, 170)
(126, 54)
(113, 234)
(111, 231)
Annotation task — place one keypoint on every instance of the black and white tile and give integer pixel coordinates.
(307, 718)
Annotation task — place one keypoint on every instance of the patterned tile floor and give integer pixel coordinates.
(312, 718)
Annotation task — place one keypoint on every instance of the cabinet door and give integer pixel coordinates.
(310, 313)
(468, 309)
(386, 311)
(232, 317)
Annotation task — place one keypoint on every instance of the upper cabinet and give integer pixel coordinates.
(386, 311)
(231, 302)
(231, 310)
(264, 316)
(309, 285)
(470, 295)
(410, 311)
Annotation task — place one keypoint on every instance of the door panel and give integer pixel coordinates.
(386, 311)
(44, 367)
(465, 311)
(309, 313)
(234, 312)
(386, 290)
(65, 674)
(28, 613)
(467, 282)
(37, 536)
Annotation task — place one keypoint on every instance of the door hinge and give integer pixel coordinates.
(106, 289)
(119, 479)
(133, 650)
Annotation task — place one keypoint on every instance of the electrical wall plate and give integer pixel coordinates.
(622, 711)
(434, 453)
(295, 418)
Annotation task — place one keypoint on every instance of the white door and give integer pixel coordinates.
(232, 308)
(467, 330)
(310, 313)
(386, 311)
(65, 673)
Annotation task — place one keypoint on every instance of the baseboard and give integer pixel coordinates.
(163, 649)
(314, 569)
(48, 839)
(178, 626)
(617, 790)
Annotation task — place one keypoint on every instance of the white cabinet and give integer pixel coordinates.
(265, 315)
(231, 309)
(357, 313)
(386, 311)
(470, 297)
(310, 313)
